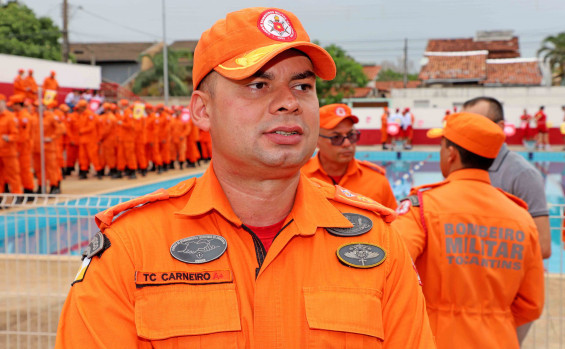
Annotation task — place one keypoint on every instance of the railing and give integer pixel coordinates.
(41, 237)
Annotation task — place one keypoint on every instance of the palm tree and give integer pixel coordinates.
(150, 81)
(553, 51)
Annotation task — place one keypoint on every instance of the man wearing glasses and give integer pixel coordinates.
(335, 161)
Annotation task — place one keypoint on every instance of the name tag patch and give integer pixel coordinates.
(361, 225)
(361, 255)
(144, 278)
(199, 249)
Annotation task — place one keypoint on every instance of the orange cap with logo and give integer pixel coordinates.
(239, 45)
(81, 104)
(64, 107)
(333, 114)
(473, 132)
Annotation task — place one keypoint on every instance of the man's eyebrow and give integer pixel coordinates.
(304, 75)
(264, 75)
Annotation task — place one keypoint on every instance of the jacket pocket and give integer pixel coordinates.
(188, 314)
(342, 317)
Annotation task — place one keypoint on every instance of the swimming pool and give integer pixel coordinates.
(52, 225)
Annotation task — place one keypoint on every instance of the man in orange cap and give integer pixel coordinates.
(87, 140)
(9, 164)
(25, 140)
(52, 130)
(335, 162)
(19, 83)
(152, 145)
(30, 86)
(252, 254)
(127, 161)
(108, 139)
(50, 83)
(475, 246)
(164, 136)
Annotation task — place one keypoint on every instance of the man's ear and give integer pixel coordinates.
(199, 103)
(452, 154)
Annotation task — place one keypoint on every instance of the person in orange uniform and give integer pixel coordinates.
(206, 145)
(87, 140)
(126, 144)
(164, 135)
(335, 162)
(9, 163)
(25, 142)
(140, 129)
(152, 145)
(192, 153)
(52, 130)
(50, 83)
(475, 246)
(200, 266)
(108, 139)
(179, 131)
(30, 86)
(60, 118)
(384, 128)
(72, 146)
(19, 84)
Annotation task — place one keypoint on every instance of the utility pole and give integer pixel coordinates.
(405, 62)
(165, 59)
(65, 31)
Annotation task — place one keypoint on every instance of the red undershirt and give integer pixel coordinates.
(336, 179)
(268, 233)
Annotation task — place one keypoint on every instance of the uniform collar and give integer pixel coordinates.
(311, 208)
(469, 174)
(208, 195)
(315, 165)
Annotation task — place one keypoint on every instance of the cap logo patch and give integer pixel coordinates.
(361, 225)
(361, 255)
(340, 111)
(276, 26)
(199, 249)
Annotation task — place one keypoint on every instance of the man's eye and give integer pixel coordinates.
(257, 85)
(303, 87)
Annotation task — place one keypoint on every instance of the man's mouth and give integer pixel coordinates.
(285, 133)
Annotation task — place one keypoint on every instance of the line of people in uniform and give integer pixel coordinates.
(397, 127)
(118, 142)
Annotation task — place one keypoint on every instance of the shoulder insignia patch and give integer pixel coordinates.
(407, 203)
(105, 218)
(82, 271)
(373, 167)
(98, 244)
(361, 255)
(361, 225)
(347, 197)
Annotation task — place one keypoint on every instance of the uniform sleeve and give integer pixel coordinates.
(528, 304)
(412, 232)
(99, 310)
(404, 310)
(529, 186)
(390, 200)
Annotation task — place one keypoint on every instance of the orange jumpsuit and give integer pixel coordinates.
(88, 141)
(361, 177)
(179, 133)
(206, 144)
(479, 259)
(50, 83)
(9, 164)
(296, 295)
(192, 153)
(108, 139)
(31, 87)
(19, 85)
(164, 135)
(73, 140)
(51, 132)
(26, 125)
(384, 127)
(152, 146)
(126, 149)
(139, 127)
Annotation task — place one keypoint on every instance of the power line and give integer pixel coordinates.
(117, 24)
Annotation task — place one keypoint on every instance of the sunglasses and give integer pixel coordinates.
(353, 137)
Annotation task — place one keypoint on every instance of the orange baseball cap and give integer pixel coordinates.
(472, 132)
(124, 102)
(81, 104)
(333, 114)
(148, 106)
(64, 107)
(16, 99)
(239, 45)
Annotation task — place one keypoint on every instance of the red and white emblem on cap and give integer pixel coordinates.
(340, 111)
(276, 26)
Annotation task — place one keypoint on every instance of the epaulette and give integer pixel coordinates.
(104, 219)
(373, 167)
(350, 198)
(516, 199)
(415, 190)
(414, 200)
(407, 203)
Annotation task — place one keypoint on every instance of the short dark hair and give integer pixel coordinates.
(469, 159)
(496, 112)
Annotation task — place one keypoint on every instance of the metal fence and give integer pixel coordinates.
(41, 237)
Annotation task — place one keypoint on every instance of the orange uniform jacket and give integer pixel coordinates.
(296, 295)
(87, 124)
(362, 177)
(9, 127)
(50, 84)
(19, 85)
(31, 87)
(384, 127)
(478, 256)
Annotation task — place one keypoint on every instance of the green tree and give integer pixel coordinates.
(392, 75)
(553, 51)
(150, 82)
(23, 34)
(349, 75)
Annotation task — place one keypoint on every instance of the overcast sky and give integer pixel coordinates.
(369, 30)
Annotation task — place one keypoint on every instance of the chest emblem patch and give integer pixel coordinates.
(361, 225)
(361, 255)
(199, 249)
